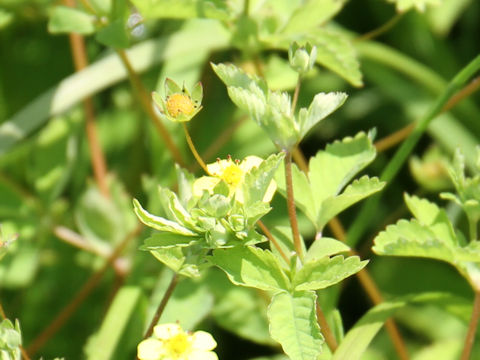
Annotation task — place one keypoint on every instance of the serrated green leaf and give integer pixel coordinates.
(325, 246)
(311, 14)
(336, 52)
(332, 169)
(430, 215)
(168, 240)
(410, 238)
(65, 19)
(182, 9)
(325, 272)
(293, 324)
(117, 333)
(323, 104)
(174, 259)
(353, 193)
(258, 179)
(233, 76)
(159, 223)
(419, 5)
(252, 267)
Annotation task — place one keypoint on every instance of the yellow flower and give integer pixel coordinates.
(171, 342)
(233, 173)
(179, 105)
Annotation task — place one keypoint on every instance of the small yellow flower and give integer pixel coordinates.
(179, 105)
(233, 173)
(171, 342)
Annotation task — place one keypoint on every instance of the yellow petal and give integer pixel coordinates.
(150, 349)
(166, 331)
(205, 183)
(202, 355)
(202, 340)
(250, 162)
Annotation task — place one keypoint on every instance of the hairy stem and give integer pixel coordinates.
(292, 213)
(146, 103)
(161, 307)
(274, 242)
(472, 328)
(78, 299)
(97, 158)
(193, 149)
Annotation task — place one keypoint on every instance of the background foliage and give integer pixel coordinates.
(47, 188)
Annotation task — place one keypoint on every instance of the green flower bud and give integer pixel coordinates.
(302, 58)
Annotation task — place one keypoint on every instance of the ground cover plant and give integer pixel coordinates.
(202, 179)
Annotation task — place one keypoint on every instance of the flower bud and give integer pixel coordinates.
(302, 58)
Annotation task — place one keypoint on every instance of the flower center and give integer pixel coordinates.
(178, 344)
(179, 103)
(232, 175)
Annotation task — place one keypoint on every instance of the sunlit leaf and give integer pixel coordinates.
(325, 272)
(252, 267)
(293, 324)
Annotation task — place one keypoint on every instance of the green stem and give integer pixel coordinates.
(472, 328)
(361, 222)
(193, 149)
(380, 30)
(296, 93)
(161, 307)
(292, 214)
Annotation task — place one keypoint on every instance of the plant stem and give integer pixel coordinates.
(325, 328)
(97, 158)
(300, 159)
(472, 328)
(275, 243)
(380, 30)
(296, 93)
(361, 222)
(292, 214)
(146, 103)
(81, 295)
(161, 307)
(193, 149)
